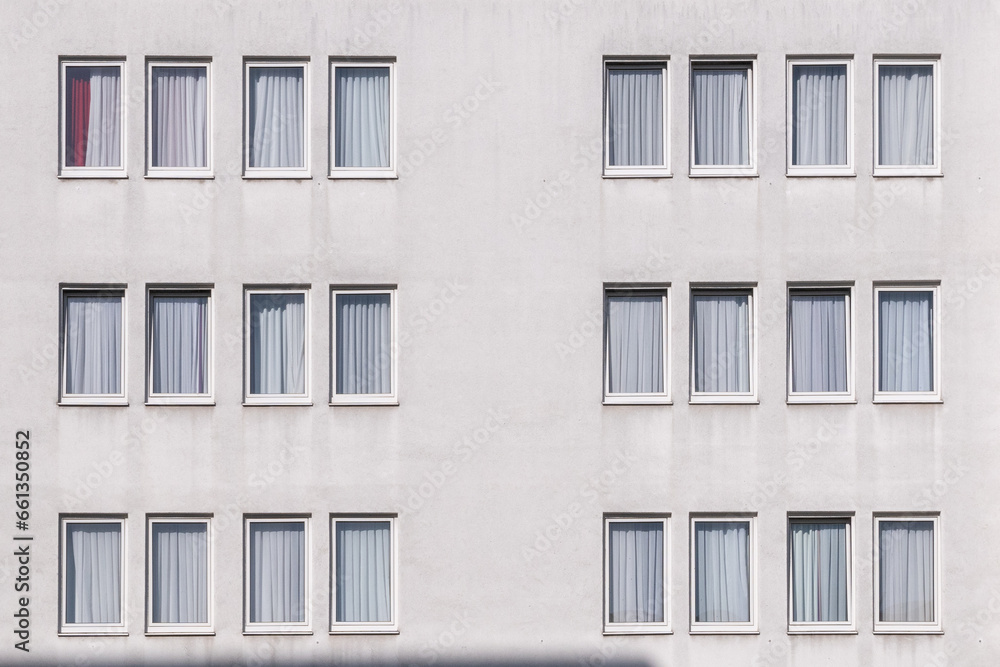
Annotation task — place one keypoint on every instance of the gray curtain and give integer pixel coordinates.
(819, 115)
(180, 344)
(722, 571)
(364, 563)
(720, 341)
(180, 116)
(906, 344)
(720, 116)
(364, 344)
(635, 572)
(819, 342)
(179, 576)
(635, 344)
(93, 573)
(361, 117)
(277, 344)
(906, 115)
(277, 572)
(93, 344)
(635, 116)
(819, 572)
(277, 117)
(906, 571)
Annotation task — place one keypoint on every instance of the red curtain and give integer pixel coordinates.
(77, 115)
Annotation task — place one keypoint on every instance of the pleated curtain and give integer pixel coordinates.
(635, 117)
(180, 344)
(720, 340)
(819, 115)
(819, 342)
(93, 573)
(906, 115)
(819, 572)
(277, 572)
(277, 344)
(363, 572)
(364, 344)
(179, 117)
(721, 116)
(635, 572)
(361, 117)
(906, 571)
(722, 572)
(93, 344)
(635, 344)
(179, 574)
(277, 117)
(906, 345)
(93, 116)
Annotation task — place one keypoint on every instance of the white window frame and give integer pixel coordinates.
(392, 398)
(363, 172)
(65, 398)
(909, 396)
(838, 627)
(92, 629)
(880, 627)
(207, 398)
(660, 628)
(339, 627)
(706, 397)
(207, 628)
(652, 398)
(302, 628)
(303, 172)
(179, 172)
(907, 170)
(793, 169)
(276, 399)
(639, 171)
(726, 628)
(833, 289)
(66, 171)
(748, 63)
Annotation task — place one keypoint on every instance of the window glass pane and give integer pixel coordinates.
(819, 115)
(93, 573)
(722, 571)
(635, 344)
(277, 343)
(721, 116)
(635, 116)
(277, 572)
(906, 571)
(818, 339)
(364, 561)
(179, 117)
(819, 572)
(361, 117)
(635, 572)
(720, 340)
(906, 343)
(906, 114)
(276, 118)
(364, 344)
(93, 116)
(180, 344)
(93, 344)
(179, 576)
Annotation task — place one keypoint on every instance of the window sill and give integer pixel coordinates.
(181, 400)
(638, 173)
(175, 175)
(879, 172)
(339, 402)
(793, 399)
(264, 175)
(637, 400)
(266, 402)
(108, 402)
(93, 632)
(284, 630)
(362, 630)
(906, 398)
(896, 630)
(801, 630)
(820, 173)
(181, 632)
(360, 174)
(93, 174)
(723, 400)
(612, 631)
(724, 173)
(726, 630)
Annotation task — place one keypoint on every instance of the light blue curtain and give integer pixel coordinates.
(720, 342)
(722, 571)
(819, 115)
(906, 571)
(819, 342)
(180, 116)
(93, 573)
(819, 572)
(906, 341)
(277, 343)
(364, 562)
(364, 344)
(277, 572)
(180, 344)
(361, 117)
(635, 116)
(277, 117)
(635, 569)
(635, 344)
(179, 576)
(906, 115)
(720, 116)
(93, 344)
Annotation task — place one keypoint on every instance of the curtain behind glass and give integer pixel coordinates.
(93, 573)
(361, 117)
(906, 114)
(93, 344)
(363, 572)
(819, 115)
(277, 572)
(720, 340)
(906, 345)
(635, 572)
(180, 344)
(906, 571)
(819, 572)
(277, 343)
(635, 344)
(819, 342)
(635, 117)
(721, 116)
(722, 572)
(93, 116)
(277, 120)
(179, 116)
(364, 344)
(179, 576)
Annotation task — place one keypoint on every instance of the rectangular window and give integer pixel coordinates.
(636, 327)
(180, 345)
(723, 118)
(93, 583)
(363, 113)
(820, 574)
(93, 343)
(723, 355)
(364, 322)
(820, 345)
(907, 117)
(820, 118)
(907, 353)
(364, 574)
(636, 133)
(93, 118)
(723, 574)
(277, 350)
(277, 575)
(179, 139)
(277, 120)
(179, 589)
(636, 575)
(907, 589)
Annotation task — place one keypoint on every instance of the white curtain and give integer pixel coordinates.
(277, 344)
(277, 572)
(277, 120)
(906, 345)
(721, 116)
(906, 571)
(635, 117)
(362, 117)
(180, 344)
(722, 571)
(819, 342)
(180, 116)
(819, 115)
(364, 344)
(906, 114)
(721, 342)
(635, 344)
(179, 577)
(93, 344)
(363, 572)
(93, 573)
(819, 572)
(635, 586)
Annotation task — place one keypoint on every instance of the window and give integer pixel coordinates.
(277, 575)
(820, 118)
(723, 356)
(907, 589)
(636, 326)
(364, 323)
(277, 351)
(820, 574)
(907, 354)
(180, 345)
(907, 118)
(93, 346)
(363, 114)
(635, 118)
(179, 139)
(93, 118)
(636, 575)
(93, 583)
(179, 589)
(364, 574)
(277, 120)
(820, 345)
(724, 564)
(723, 119)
